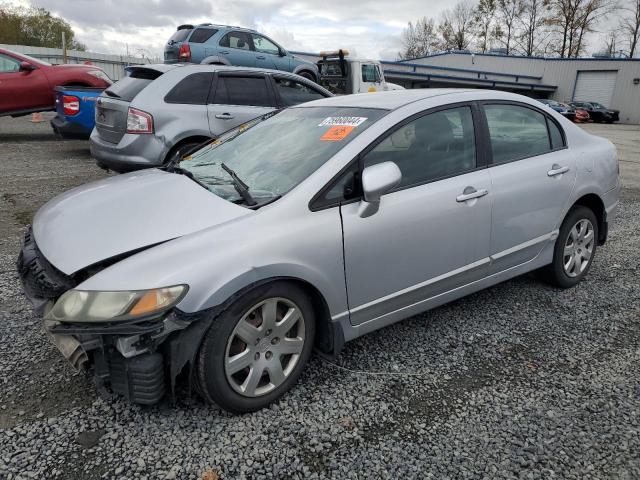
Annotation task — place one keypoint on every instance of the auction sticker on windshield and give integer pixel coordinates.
(342, 121)
(336, 133)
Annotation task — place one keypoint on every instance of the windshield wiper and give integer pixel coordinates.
(241, 187)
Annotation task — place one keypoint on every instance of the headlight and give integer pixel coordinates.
(101, 75)
(116, 306)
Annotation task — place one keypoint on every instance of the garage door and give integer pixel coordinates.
(595, 86)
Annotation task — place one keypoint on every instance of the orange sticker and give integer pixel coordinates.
(336, 133)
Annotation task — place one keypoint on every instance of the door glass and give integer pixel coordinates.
(516, 132)
(293, 93)
(555, 134)
(368, 73)
(193, 89)
(238, 40)
(8, 64)
(233, 90)
(437, 145)
(263, 45)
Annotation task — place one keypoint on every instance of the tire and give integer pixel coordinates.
(557, 272)
(176, 154)
(221, 382)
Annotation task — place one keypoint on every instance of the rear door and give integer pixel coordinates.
(532, 177)
(236, 47)
(238, 97)
(113, 104)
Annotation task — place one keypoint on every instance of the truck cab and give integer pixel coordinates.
(342, 75)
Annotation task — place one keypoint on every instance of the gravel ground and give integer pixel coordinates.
(518, 381)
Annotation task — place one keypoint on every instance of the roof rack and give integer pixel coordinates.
(185, 26)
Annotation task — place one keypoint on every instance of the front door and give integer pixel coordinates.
(431, 234)
(268, 54)
(236, 48)
(22, 90)
(532, 176)
(371, 79)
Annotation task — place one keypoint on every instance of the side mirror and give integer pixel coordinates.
(376, 181)
(282, 52)
(26, 67)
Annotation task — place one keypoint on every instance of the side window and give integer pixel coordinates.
(233, 90)
(193, 89)
(238, 40)
(8, 64)
(263, 45)
(516, 132)
(368, 73)
(344, 188)
(293, 93)
(201, 35)
(555, 134)
(437, 145)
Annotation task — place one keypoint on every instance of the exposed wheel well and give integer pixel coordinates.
(308, 72)
(594, 203)
(194, 139)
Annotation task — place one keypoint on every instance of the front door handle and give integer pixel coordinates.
(224, 116)
(470, 193)
(224, 52)
(260, 57)
(557, 170)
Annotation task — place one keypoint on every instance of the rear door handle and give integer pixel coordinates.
(260, 57)
(224, 116)
(470, 193)
(224, 52)
(557, 170)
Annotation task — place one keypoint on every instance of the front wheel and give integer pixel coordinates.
(256, 349)
(575, 248)
(308, 76)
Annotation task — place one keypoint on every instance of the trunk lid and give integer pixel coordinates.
(124, 213)
(113, 104)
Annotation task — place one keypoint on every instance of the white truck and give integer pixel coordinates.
(342, 75)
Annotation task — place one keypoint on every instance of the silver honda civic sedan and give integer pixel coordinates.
(308, 228)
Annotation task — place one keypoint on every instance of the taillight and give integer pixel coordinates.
(139, 121)
(70, 104)
(184, 54)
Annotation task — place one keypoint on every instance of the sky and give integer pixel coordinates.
(368, 28)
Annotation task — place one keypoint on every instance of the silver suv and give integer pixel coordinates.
(159, 112)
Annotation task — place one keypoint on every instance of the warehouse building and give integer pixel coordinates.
(614, 83)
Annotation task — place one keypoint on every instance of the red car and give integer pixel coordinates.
(28, 85)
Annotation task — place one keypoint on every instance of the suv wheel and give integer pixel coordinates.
(256, 349)
(177, 153)
(307, 75)
(575, 248)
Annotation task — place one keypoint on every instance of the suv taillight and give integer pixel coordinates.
(70, 104)
(139, 121)
(184, 54)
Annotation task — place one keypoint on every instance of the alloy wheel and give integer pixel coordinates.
(578, 248)
(264, 347)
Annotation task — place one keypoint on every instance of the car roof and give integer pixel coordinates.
(197, 67)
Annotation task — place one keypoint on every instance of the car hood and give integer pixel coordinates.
(125, 213)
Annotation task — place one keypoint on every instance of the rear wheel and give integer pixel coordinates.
(256, 349)
(177, 153)
(575, 248)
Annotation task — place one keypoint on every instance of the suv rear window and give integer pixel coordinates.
(131, 85)
(193, 89)
(201, 35)
(180, 35)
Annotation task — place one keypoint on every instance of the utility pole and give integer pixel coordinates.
(64, 48)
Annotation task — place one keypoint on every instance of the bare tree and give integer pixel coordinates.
(531, 23)
(509, 12)
(631, 25)
(420, 39)
(456, 26)
(484, 17)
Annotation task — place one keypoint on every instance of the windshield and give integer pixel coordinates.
(273, 155)
(597, 105)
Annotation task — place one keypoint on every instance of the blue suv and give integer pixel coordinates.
(226, 45)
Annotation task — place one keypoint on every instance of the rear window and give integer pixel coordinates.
(193, 89)
(132, 85)
(201, 35)
(180, 35)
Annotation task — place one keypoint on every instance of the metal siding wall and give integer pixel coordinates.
(113, 65)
